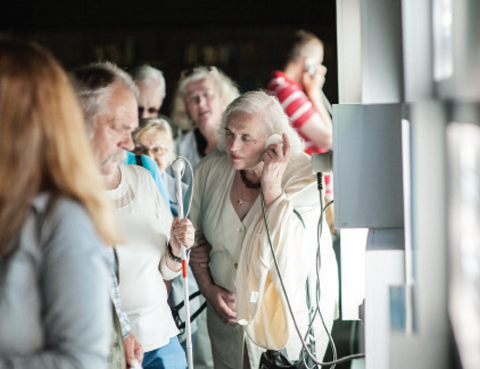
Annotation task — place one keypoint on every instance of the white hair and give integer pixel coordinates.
(270, 110)
(93, 84)
(149, 75)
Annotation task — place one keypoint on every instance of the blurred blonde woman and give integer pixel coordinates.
(54, 219)
(202, 95)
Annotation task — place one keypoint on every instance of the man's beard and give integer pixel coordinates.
(120, 157)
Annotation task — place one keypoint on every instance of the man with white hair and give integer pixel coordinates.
(151, 94)
(150, 252)
(151, 87)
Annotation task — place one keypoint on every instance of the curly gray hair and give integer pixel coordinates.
(225, 87)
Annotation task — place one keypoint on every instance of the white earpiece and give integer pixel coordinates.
(274, 139)
(178, 166)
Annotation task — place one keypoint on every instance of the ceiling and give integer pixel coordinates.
(48, 14)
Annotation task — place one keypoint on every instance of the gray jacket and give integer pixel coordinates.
(55, 310)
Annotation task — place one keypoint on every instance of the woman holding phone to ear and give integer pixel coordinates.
(240, 282)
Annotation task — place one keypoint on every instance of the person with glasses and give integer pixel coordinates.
(149, 252)
(151, 93)
(202, 95)
(151, 87)
(154, 138)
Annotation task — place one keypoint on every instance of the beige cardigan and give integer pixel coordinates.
(269, 322)
(292, 221)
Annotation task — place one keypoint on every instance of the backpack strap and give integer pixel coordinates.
(138, 160)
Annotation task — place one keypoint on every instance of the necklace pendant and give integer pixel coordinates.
(239, 201)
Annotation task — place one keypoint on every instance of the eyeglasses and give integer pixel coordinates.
(143, 150)
(151, 110)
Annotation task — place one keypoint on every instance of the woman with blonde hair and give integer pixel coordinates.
(202, 95)
(54, 220)
(154, 138)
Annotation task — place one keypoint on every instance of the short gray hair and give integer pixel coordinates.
(93, 83)
(225, 87)
(271, 112)
(148, 74)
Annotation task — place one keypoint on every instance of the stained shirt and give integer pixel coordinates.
(145, 220)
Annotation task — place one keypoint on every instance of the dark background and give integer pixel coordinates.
(246, 39)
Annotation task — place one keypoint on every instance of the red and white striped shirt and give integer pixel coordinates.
(299, 109)
(295, 103)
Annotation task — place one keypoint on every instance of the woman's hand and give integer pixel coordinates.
(200, 254)
(223, 303)
(275, 161)
(181, 232)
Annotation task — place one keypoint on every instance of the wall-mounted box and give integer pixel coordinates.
(367, 166)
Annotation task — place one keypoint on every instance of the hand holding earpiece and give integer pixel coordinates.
(275, 160)
(273, 139)
(314, 83)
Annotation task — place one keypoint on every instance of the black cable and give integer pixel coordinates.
(319, 265)
(352, 336)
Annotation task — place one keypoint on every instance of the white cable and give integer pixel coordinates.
(178, 167)
(192, 183)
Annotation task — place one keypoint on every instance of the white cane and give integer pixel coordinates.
(178, 167)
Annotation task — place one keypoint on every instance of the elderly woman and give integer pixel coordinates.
(241, 283)
(54, 215)
(201, 97)
(154, 138)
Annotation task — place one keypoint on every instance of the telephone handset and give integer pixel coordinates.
(311, 66)
(274, 139)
